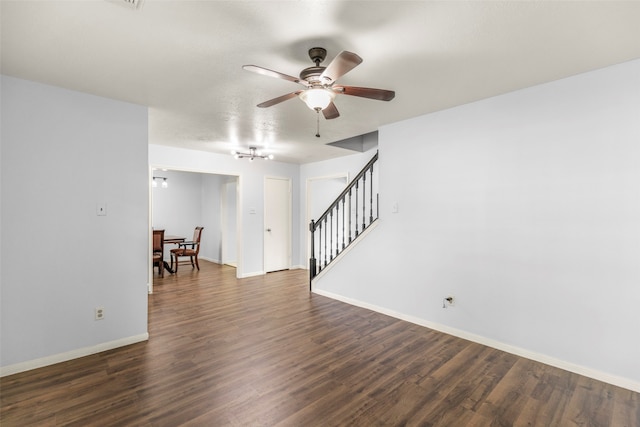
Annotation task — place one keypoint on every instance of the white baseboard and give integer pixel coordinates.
(253, 273)
(261, 273)
(538, 357)
(73, 354)
(215, 261)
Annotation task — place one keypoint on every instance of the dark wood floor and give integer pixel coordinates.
(264, 351)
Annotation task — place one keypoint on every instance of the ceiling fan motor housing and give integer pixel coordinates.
(312, 74)
(317, 54)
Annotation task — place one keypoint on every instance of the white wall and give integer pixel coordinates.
(64, 152)
(229, 249)
(211, 196)
(251, 195)
(526, 208)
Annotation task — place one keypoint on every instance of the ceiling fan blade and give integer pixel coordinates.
(366, 92)
(341, 65)
(331, 112)
(277, 75)
(279, 99)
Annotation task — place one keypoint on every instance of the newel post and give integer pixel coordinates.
(312, 259)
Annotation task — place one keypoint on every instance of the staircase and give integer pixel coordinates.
(350, 214)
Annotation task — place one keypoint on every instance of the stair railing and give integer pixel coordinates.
(344, 220)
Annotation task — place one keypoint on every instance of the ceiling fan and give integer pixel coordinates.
(320, 83)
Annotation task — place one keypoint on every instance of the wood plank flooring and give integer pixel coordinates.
(263, 351)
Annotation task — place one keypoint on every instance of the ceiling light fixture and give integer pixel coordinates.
(317, 99)
(154, 183)
(252, 154)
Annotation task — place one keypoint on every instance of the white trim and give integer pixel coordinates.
(252, 274)
(262, 273)
(239, 225)
(225, 257)
(528, 354)
(150, 236)
(73, 354)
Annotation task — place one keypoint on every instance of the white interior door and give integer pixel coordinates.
(277, 222)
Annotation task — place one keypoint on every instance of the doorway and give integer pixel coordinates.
(277, 222)
(191, 199)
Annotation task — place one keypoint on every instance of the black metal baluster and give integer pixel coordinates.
(357, 233)
(331, 236)
(312, 258)
(371, 198)
(325, 241)
(343, 220)
(320, 247)
(349, 215)
(364, 208)
(337, 228)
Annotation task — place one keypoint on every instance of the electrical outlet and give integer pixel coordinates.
(101, 209)
(99, 313)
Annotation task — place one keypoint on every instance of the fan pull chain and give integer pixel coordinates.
(318, 123)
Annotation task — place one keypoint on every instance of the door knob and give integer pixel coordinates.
(269, 230)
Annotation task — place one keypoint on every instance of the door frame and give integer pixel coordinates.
(239, 248)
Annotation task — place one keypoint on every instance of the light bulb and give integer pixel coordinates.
(154, 183)
(317, 98)
(165, 184)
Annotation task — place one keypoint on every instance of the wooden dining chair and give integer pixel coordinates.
(158, 250)
(188, 249)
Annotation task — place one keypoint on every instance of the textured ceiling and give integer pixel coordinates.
(184, 59)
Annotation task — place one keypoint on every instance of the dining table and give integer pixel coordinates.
(176, 240)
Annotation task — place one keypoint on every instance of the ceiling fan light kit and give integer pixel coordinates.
(317, 98)
(318, 81)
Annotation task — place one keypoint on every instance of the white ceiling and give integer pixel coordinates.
(184, 59)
